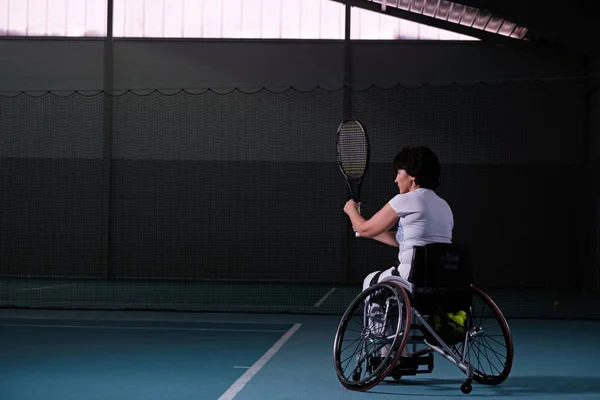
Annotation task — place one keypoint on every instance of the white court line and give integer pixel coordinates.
(48, 287)
(244, 379)
(134, 319)
(144, 328)
(318, 303)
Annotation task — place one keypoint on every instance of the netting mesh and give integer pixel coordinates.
(233, 201)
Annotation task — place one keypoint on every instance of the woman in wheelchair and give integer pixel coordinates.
(411, 302)
(420, 214)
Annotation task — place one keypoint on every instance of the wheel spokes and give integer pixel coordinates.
(368, 336)
(487, 347)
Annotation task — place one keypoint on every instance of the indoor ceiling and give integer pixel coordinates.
(457, 13)
(567, 25)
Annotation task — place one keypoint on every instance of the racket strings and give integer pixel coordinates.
(353, 151)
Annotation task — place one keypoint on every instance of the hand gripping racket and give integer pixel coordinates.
(353, 155)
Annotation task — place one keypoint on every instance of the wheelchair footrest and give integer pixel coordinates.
(410, 365)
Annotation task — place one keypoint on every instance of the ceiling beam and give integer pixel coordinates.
(567, 26)
(435, 22)
(541, 40)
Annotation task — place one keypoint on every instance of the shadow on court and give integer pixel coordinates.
(515, 386)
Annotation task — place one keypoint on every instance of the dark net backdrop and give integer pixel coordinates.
(593, 174)
(233, 201)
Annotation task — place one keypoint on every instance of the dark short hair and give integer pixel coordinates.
(420, 162)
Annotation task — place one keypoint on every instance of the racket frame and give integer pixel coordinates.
(358, 181)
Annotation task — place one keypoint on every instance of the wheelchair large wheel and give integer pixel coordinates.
(489, 347)
(371, 336)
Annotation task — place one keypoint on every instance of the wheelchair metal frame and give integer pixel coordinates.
(443, 350)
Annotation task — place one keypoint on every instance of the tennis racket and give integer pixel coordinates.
(353, 155)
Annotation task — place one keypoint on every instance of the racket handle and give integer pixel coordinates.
(356, 234)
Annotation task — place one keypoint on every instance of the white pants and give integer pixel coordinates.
(403, 269)
(374, 312)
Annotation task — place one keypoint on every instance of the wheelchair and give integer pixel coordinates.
(394, 327)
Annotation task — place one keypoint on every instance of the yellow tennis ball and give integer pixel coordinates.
(459, 320)
(555, 303)
(462, 314)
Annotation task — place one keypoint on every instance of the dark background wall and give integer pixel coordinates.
(594, 174)
(78, 64)
(226, 184)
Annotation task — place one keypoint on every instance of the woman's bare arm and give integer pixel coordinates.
(388, 237)
(378, 224)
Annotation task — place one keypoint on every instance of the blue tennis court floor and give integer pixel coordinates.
(80, 355)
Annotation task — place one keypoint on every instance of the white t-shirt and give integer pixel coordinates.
(424, 218)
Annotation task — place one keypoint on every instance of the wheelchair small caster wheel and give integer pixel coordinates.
(397, 377)
(466, 387)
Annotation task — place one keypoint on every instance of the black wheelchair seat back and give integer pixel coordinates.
(441, 274)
